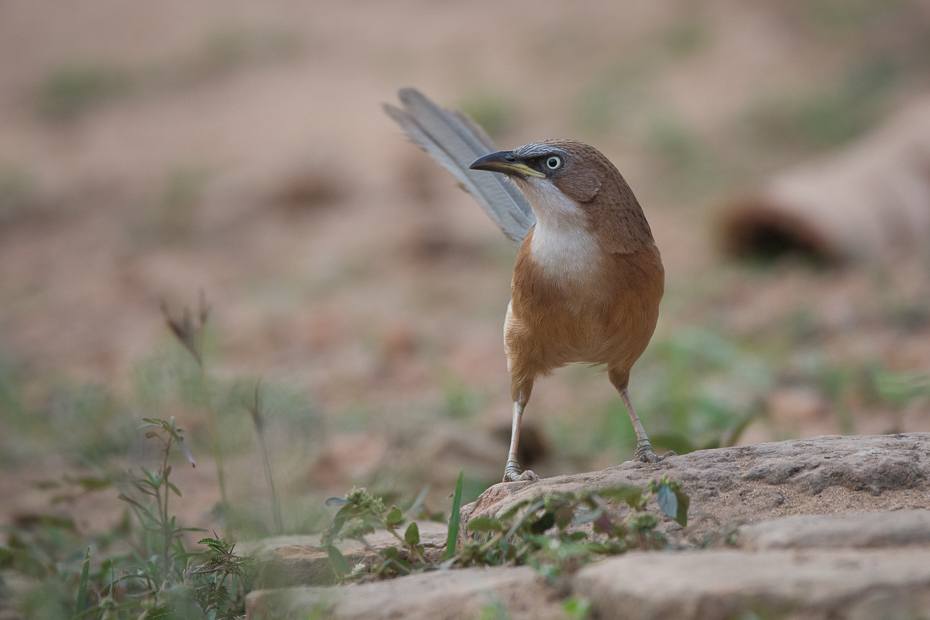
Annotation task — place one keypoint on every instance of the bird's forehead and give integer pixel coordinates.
(537, 149)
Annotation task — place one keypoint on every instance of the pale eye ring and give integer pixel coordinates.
(554, 163)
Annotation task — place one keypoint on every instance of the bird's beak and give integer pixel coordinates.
(506, 163)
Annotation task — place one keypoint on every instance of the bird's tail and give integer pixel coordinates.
(455, 141)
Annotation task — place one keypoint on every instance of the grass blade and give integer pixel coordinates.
(82, 586)
(453, 536)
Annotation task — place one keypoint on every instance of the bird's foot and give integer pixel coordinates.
(512, 473)
(645, 453)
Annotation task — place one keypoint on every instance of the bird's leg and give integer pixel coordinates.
(512, 472)
(644, 450)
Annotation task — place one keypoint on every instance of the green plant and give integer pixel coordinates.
(158, 578)
(705, 388)
(577, 608)
(255, 409)
(898, 389)
(190, 333)
(546, 532)
(358, 516)
(220, 564)
(158, 522)
(71, 90)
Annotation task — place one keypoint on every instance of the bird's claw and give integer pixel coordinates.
(645, 453)
(512, 473)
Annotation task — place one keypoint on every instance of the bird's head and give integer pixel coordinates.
(573, 168)
(574, 183)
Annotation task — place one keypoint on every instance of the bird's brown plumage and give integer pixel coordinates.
(588, 277)
(606, 316)
(605, 322)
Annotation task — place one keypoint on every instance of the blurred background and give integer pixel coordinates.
(151, 151)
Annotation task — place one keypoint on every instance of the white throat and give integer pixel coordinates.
(561, 243)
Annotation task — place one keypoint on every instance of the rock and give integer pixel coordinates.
(298, 560)
(868, 529)
(752, 483)
(798, 556)
(722, 584)
(451, 594)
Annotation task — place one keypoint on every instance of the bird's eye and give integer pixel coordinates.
(553, 163)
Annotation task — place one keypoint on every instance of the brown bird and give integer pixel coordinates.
(588, 276)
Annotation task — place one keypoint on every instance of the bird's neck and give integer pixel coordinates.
(570, 240)
(562, 242)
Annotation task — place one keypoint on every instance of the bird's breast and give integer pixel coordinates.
(608, 316)
(565, 254)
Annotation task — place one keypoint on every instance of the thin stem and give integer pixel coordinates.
(163, 506)
(275, 506)
(217, 451)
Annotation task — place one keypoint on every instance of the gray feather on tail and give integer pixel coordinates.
(455, 141)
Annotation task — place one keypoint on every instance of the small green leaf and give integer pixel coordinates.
(452, 535)
(643, 522)
(587, 516)
(628, 494)
(394, 516)
(563, 516)
(338, 561)
(82, 586)
(507, 514)
(389, 553)
(399, 565)
(90, 483)
(668, 502)
(484, 524)
(577, 609)
(412, 535)
(543, 523)
(174, 488)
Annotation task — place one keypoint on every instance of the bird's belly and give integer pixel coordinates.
(607, 319)
(574, 332)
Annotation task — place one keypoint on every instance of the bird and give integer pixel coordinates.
(588, 276)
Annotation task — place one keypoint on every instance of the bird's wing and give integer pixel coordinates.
(455, 141)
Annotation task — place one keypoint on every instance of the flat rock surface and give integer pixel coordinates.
(451, 595)
(298, 560)
(722, 584)
(857, 530)
(822, 475)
